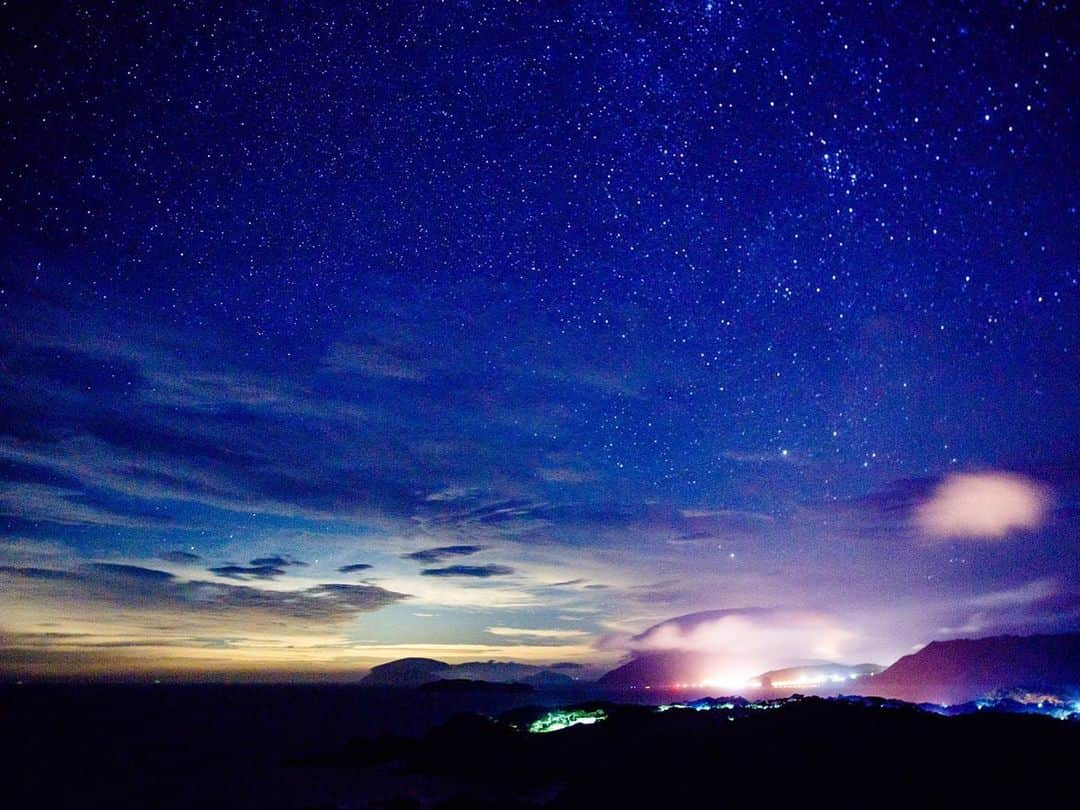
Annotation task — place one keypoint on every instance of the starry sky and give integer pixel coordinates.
(335, 333)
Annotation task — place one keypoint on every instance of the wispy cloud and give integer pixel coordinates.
(565, 475)
(181, 557)
(440, 553)
(1036, 606)
(353, 568)
(372, 361)
(533, 632)
(135, 590)
(126, 441)
(243, 572)
(1026, 594)
(40, 502)
(278, 560)
(479, 571)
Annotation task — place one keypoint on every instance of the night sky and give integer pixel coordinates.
(332, 335)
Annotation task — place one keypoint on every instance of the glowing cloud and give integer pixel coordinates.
(738, 644)
(983, 506)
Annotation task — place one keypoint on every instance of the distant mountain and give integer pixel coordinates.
(414, 672)
(945, 672)
(546, 679)
(494, 671)
(657, 670)
(956, 671)
(406, 672)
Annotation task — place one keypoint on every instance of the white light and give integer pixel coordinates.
(729, 682)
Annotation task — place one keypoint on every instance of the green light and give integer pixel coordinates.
(558, 720)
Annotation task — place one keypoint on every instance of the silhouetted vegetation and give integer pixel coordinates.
(806, 752)
(297, 747)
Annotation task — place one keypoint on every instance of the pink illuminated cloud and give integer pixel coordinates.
(983, 506)
(739, 644)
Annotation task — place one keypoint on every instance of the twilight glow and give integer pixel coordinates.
(545, 334)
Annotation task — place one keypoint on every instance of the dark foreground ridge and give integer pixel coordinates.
(455, 745)
(729, 752)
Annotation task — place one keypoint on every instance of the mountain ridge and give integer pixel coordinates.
(417, 672)
(956, 670)
(944, 671)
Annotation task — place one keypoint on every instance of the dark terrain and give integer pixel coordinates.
(148, 746)
(349, 747)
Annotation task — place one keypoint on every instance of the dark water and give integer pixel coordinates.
(208, 746)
